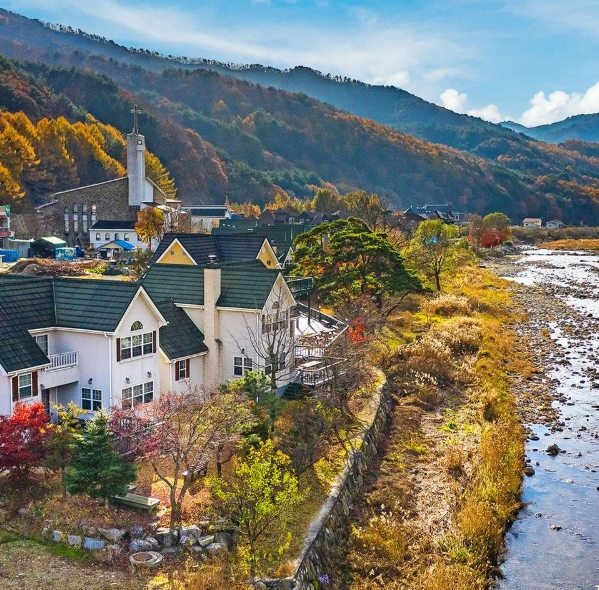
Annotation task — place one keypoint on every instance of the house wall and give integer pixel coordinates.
(6, 403)
(175, 254)
(134, 239)
(136, 369)
(267, 257)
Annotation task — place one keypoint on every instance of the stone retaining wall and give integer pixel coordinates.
(328, 532)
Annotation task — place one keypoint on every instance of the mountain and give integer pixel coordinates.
(580, 127)
(221, 136)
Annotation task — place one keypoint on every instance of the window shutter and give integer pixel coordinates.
(118, 350)
(177, 372)
(15, 389)
(187, 367)
(34, 383)
(154, 341)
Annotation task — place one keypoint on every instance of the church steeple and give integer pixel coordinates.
(136, 162)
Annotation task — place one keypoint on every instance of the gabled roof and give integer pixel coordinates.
(103, 224)
(181, 337)
(226, 248)
(120, 243)
(30, 303)
(243, 285)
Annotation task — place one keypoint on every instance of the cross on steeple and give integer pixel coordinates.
(135, 112)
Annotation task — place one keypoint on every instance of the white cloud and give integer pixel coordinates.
(458, 102)
(454, 101)
(559, 105)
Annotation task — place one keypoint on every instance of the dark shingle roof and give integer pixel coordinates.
(226, 248)
(243, 285)
(212, 211)
(181, 337)
(109, 224)
(92, 304)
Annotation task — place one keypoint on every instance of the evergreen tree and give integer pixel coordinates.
(97, 469)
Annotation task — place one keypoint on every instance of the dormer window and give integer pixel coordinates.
(137, 326)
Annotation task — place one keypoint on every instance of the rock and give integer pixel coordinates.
(56, 536)
(136, 532)
(216, 549)
(24, 511)
(556, 527)
(528, 470)
(535, 437)
(94, 544)
(74, 540)
(89, 531)
(111, 554)
(155, 544)
(553, 450)
(186, 541)
(167, 537)
(225, 539)
(114, 535)
(192, 531)
(209, 539)
(140, 545)
(169, 550)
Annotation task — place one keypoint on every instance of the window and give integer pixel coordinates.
(98, 237)
(275, 321)
(66, 221)
(182, 370)
(241, 365)
(107, 236)
(75, 223)
(279, 361)
(84, 222)
(138, 394)
(84, 208)
(75, 209)
(42, 342)
(94, 209)
(117, 236)
(137, 326)
(91, 399)
(136, 345)
(25, 386)
(126, 237)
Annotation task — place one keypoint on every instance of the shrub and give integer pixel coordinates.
(447, 304)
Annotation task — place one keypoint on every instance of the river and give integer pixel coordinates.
(553, 545)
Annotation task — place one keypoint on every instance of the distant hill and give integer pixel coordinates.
(580, 127)
(221, 136)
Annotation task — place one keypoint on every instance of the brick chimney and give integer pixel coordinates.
(136, 168)
(213, 360)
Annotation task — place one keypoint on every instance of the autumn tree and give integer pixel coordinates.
(348, 260)
(22, 438)
(178, 431)
(97, 468)
(435, 250)
(326, 200)
(369, 207)
(150, 225)
(476, 231)
(261, 496)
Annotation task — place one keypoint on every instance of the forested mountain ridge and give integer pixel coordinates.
(579, 128)
(223, 137)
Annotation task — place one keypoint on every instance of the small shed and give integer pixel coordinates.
(46, 247)
(21, 247)
(113, 250)
(555, 224)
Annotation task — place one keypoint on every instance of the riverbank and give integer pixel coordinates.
(448, 483)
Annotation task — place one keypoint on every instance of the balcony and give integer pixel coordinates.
(316, 372)
(64, 360)
(63, 369)
(299, 286)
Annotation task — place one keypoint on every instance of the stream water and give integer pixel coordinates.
(554, 543)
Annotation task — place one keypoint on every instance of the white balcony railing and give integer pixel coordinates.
(64, 360)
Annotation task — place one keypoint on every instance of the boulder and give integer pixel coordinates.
(114, 535)
(226, 539)
(192, 531)
(136, 532)
(74, 540)
(553, 450)
(94, 544)
(56, 536)
(215, 549)
(141, 545)
(155, 544)
(24, 511)
(167, 537)
(207, 540)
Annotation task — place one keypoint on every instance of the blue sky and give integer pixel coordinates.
(533, 61)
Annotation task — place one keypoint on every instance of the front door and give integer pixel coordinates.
(46, 400)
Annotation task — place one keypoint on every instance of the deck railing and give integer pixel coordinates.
(64, 360)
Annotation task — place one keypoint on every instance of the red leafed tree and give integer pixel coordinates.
(22, 437)
(491, 238)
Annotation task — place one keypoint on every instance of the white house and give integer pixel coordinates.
(205, 217)
(555, 224)
(532, 222)
(102, 344)
(104, 231)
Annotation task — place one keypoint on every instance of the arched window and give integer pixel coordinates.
(126, 237)
(107, 236)
(98, 237)
(117, 236)
(137, 326)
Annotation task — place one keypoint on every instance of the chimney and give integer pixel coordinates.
(212, 361)
(136, 168)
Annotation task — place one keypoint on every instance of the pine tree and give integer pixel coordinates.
(97, 469)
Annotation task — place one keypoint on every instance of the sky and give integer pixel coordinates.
(530, 61)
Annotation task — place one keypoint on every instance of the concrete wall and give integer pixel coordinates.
(327, 535)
